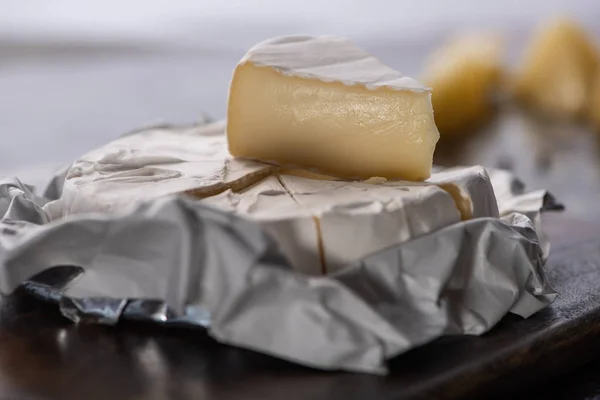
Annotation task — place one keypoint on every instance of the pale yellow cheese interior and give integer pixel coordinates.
(303, 173)
(322, 226)
(464, 205)
(349, 131)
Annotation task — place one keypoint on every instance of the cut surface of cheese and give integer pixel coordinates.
(321, 102)
(464, 74)
(154, 163)
(558, 70)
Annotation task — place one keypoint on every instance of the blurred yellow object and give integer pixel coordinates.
(593, 109)
(463, 75)
(558, 70)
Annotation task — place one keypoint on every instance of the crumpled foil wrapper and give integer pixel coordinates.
(177, 261)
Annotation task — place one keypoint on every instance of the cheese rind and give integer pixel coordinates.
(291, 226)
(154, 163)
(358, 219)
(319, 58)
(323, 103)
(322, 226)
(470, 187)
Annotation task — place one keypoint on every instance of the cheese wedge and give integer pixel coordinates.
(558, 70)
(321, 102)
(156, 162)
(464, 74)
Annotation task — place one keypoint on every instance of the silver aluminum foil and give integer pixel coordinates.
(176, 261)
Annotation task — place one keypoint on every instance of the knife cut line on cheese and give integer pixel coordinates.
(316, 221)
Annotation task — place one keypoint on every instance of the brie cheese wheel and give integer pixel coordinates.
(464, 74)
(321, 224)
(323, 103)
(558, 70)
(154, 163)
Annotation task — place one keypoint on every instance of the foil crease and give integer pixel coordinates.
(176, 261)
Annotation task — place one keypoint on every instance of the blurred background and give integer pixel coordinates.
(75, 74)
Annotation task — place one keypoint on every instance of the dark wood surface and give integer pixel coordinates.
(43, 356)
